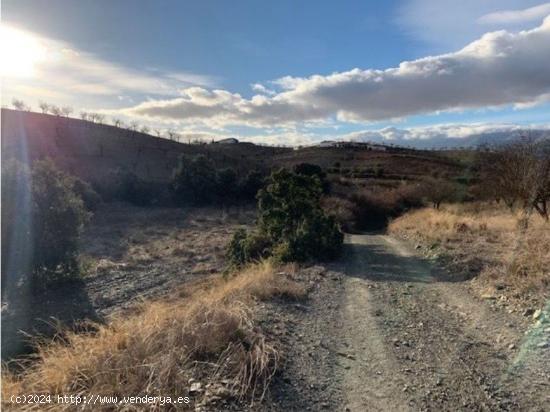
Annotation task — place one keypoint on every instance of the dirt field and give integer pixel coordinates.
(130, 253)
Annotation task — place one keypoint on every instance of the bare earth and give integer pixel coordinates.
(384, 331)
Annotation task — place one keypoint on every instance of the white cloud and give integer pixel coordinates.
(260, 88)
(64, 70)
(444, 24)
(498, 69)
(506, 17)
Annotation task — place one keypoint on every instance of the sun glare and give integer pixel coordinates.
(19, 52)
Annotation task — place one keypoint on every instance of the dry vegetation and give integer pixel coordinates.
(206, 333)
(479, 239)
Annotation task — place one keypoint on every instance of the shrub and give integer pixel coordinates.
(292, 224)
(42, 218)
(308, 169)
(226, 184)
(372, 210)
(437, 191)
(130, 188)
(341, 209)
(194, 180)
(247, 247)
(251, 184)
(89, 196)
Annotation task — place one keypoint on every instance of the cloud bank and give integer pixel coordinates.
(516, 16)
(500, 68)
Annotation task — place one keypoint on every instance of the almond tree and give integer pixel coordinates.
(19, 105)
(66, 111)
(45, 107)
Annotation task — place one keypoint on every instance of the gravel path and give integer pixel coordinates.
(384, 331)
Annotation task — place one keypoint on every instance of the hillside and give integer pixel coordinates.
(91, 151)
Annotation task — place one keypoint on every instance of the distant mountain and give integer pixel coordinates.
(450, 137)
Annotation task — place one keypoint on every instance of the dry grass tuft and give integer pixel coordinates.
(208, 335)
(491, 237)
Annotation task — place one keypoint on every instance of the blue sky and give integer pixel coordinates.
(281, 72)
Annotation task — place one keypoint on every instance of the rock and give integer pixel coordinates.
(488, 296)
(537, 314)
(511, 346)
(195, 387)
(543, 345)
(528, 312)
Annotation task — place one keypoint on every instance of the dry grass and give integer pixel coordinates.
(492, 237)
(206, 333)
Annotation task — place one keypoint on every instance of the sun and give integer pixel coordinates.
(19, 52)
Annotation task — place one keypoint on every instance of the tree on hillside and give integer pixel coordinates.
(437, 191)
(144, 129)
(19, 105)
(84, 115)
(519, 175)
(55, 110)
(194, 180)
(117, 122)
(44, 107)
(133, 126)
(66, 111)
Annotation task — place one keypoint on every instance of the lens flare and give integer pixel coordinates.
(20, 52)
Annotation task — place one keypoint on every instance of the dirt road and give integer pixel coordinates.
(385, 331)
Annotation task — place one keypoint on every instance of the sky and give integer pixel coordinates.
(285, 72)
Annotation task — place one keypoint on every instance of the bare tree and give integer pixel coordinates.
(171, 134)
(55, 110)
(117, 122)
(84, 115)
(519, 175)
(19, 104)
(158, 132)
(45, 107)
(144, 129)
(99, 117)
(66, 111)
(133, 126)
(437, 191)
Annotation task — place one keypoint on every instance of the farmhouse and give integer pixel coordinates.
(230, 140)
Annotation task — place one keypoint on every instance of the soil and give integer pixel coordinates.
(385, 330)
(382, 329)
(130, 253)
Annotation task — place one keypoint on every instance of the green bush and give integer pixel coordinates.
(89, 196)
(309, 169)
(251, 184)
(42, 218)
(194, 181)
(247, 247)
(227, 185)
(292, 225)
